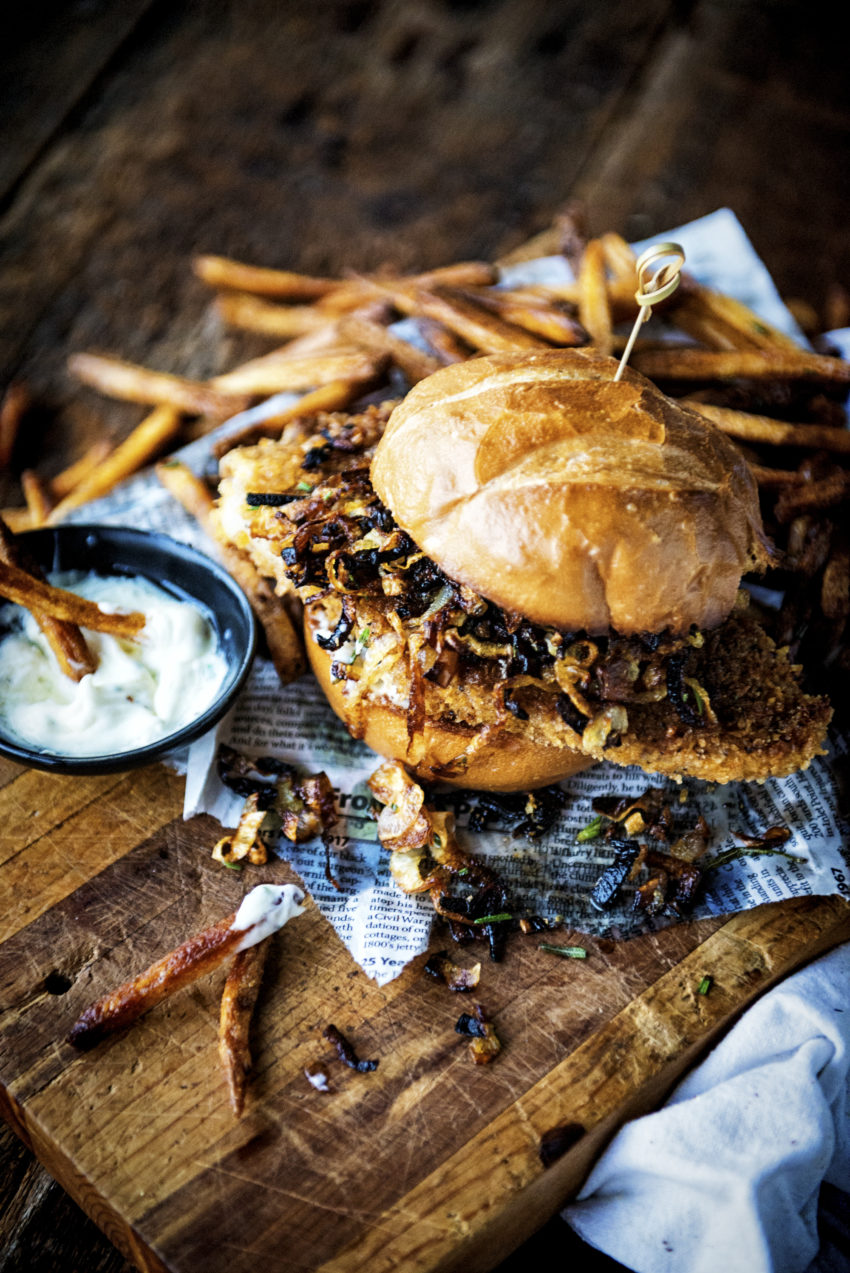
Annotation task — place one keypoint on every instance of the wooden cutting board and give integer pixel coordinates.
(427, 1163)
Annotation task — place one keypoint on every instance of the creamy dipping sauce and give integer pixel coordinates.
(143, 689)
(266, 909)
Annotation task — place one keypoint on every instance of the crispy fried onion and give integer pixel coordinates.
(485, 1044)
(444, 969)
(426, 858)
(340, 545)
(277, 802)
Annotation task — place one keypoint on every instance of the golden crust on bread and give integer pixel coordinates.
(570, 499)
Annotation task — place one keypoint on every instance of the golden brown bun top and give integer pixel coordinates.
(574, 500)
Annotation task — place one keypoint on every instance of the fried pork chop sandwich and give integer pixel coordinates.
(525, 567)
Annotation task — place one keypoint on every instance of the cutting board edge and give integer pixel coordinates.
(526, 1208)
(493, 1232)
(120, 1233)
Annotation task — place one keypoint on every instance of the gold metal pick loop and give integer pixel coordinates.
(662, 284)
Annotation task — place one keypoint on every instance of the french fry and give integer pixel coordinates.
(768, 477)
(285, 646)
(38, 501)
(355, 292)
(42, 598)
(16, 401)
(17, 519)
(534, 314)
(467, 319)
(546, 243)
(447, 346)
(327, 337)
(221, 272)
(750, 364)
(826, 493)
(758, 428)
(594, 310)
(460, 274)
(125, 380)
(65, 639)
(199, 955)
(415, 364)
(566, 236)
(145, 442)
(279, 371)
(572, 228)
(65, 481)
(620, 292)
(726, 323)
(620, 259)
(189, 491)
(237, 1008)
(253, 314)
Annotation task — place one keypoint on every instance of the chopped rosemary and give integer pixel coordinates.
(233, 866)
(591, 831)
(743, 850)
(303, 486)
(493, 919)
(705, 985)
(566, 952)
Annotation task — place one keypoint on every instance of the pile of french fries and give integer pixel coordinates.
(332, 343)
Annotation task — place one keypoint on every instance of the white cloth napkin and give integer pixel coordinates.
(727, 1175)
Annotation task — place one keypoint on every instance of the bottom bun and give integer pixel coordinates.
(504, 762)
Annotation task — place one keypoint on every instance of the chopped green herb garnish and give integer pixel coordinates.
(303, 486)
(705, 985)
(233, 866)
(464, 870)
(360, 643)
(698, 703)
(591, 831)
(566, 952)
(493, 919)
(394, 807)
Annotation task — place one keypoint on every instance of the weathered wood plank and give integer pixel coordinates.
(59, 832)
(741, 106)
(52, 58)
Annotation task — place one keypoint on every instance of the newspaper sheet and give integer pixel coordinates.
(554, 876)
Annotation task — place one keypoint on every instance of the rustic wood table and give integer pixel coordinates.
(349, 134)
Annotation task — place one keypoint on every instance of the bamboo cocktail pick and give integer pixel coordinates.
(653, 289)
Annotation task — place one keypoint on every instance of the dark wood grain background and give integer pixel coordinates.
(344, 134)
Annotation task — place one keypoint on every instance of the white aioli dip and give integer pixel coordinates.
(264, 910)
(142, 689)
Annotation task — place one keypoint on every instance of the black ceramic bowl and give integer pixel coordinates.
(180, 571)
